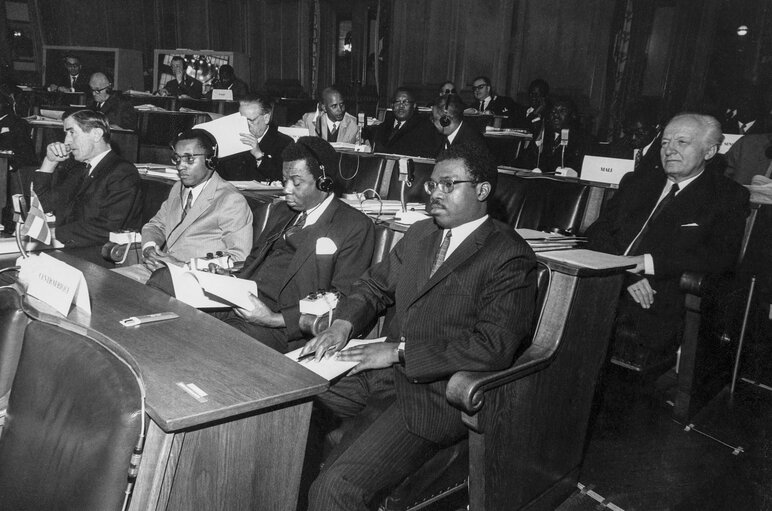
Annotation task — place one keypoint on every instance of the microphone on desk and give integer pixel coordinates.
(406, 176)
(19, 213)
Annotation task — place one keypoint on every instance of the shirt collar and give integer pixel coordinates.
(683, 184)
(95, 161)
(316, 212)
(195, 191)
(330, 123)
(452, 136)
(461, 233)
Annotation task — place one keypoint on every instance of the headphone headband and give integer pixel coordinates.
(323, 182)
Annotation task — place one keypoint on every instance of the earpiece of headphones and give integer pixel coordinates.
(324, 183)
(211, 161)
(445, 119)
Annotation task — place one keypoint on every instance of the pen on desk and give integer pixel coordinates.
(311, 354)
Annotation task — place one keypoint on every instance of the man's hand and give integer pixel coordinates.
(642, 293)
(55, 152)
(153, 258)
(251, 140)
(331, 340)
(163, 92)
(370, 356)
(260, 314)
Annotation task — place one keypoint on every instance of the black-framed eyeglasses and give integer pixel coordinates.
(97, 91)
(187, 158)
(448, 91)
(445, 185)
(481, 86)
(403, 102)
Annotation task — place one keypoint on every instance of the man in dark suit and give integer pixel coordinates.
(312, 241)
(91, 190)
(746, 114)
(182, 85)
(489, 103)
(451, 129)
(73, 80)
(404, 131)
(118, 110)
(263, 162)
(463, 291)
(228, 80)
(748, 158)
(685, 218)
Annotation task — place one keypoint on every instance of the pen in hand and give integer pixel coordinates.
(311, 354)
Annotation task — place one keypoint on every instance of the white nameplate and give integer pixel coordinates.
(606, 170)
(222, 94)
(55, 283)
(728, 142)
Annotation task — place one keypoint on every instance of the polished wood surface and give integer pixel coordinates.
(239, 374)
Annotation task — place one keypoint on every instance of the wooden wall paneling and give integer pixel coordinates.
(328, 47)
(192, 19)
(55, 22)
(167, 26)
(227, 18)
(440, 31)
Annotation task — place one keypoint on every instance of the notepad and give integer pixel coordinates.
(330, 367)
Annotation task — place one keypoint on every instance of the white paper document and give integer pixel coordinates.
(205, 290)
(226, 132)
(330, 367)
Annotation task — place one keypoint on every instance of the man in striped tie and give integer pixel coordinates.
(463, 291)
(682, 218)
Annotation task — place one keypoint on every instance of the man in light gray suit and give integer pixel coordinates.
(330, 121)
(203, 213)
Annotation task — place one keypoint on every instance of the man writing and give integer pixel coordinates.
(263, 161)
(91, 190)
(667, 222)
(463, 288)
(202, 214)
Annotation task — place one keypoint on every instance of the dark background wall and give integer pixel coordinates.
(678, 46)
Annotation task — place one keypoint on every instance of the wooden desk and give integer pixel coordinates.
(239, 448)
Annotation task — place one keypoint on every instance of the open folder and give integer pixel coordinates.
(205, 290)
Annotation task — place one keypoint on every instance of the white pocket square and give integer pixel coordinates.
(691, 225)
(4, 129)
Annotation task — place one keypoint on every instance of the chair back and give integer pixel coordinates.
(75, 416)
(13, 321)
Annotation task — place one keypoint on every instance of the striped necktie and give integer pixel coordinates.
(188, 204)
(441, 254)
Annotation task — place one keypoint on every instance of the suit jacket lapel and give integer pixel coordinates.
(278, 219)
(199, 207)
(96, 173)
(319, 229)
(464, 251)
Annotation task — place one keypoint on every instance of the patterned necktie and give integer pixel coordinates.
(441, 253)
(188, 204)
(297, 226)
(638, 158)
(654, 214)
(333, 135)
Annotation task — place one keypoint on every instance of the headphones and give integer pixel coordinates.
(445, 119)
(211, 160)
(324, 183)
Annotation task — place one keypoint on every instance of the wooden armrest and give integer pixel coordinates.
(693, 282)
(466, 389)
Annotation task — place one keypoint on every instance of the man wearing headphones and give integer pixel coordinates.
(448, 119)
(312, 241)
(118, 110)
(203, 213)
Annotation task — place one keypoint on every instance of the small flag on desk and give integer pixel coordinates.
(35, 226)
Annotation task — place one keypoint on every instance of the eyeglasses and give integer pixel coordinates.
(187, 158)
(481, 86)
(448, 91)
(403, 102)
(71, 64)
(446, 185)
(97, 91)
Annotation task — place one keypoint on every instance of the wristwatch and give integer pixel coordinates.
(401, 352)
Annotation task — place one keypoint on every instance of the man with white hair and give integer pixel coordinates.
(667, 222)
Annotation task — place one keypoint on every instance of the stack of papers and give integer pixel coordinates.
(274, 186)
(383, 207)
(330, 367)
(150, 108)
(549, 241)
(158, 170)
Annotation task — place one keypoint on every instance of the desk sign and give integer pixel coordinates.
(222, 94)
(606, 170)
(55, 283)
(728, 142)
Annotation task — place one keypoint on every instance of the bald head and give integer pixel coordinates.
(101, 86)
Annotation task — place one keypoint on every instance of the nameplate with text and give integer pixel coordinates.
(606, 170)
(729, 141)
(222, 95)
(55, 283)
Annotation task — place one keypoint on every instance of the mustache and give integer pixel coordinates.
(435, 202)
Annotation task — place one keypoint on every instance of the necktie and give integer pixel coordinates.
(72, 82)
(446, 143)
(297, 226)
(188, 204)
(333, 135)
(84, 177)
(638, 158)
(482, 105)
(633, 250)
(441, 254)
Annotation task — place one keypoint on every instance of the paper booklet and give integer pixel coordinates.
(205, 290)
(330, 367)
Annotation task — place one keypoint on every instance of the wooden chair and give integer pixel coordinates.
(75, 425)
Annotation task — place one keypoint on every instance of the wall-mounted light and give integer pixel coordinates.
(742, 30)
